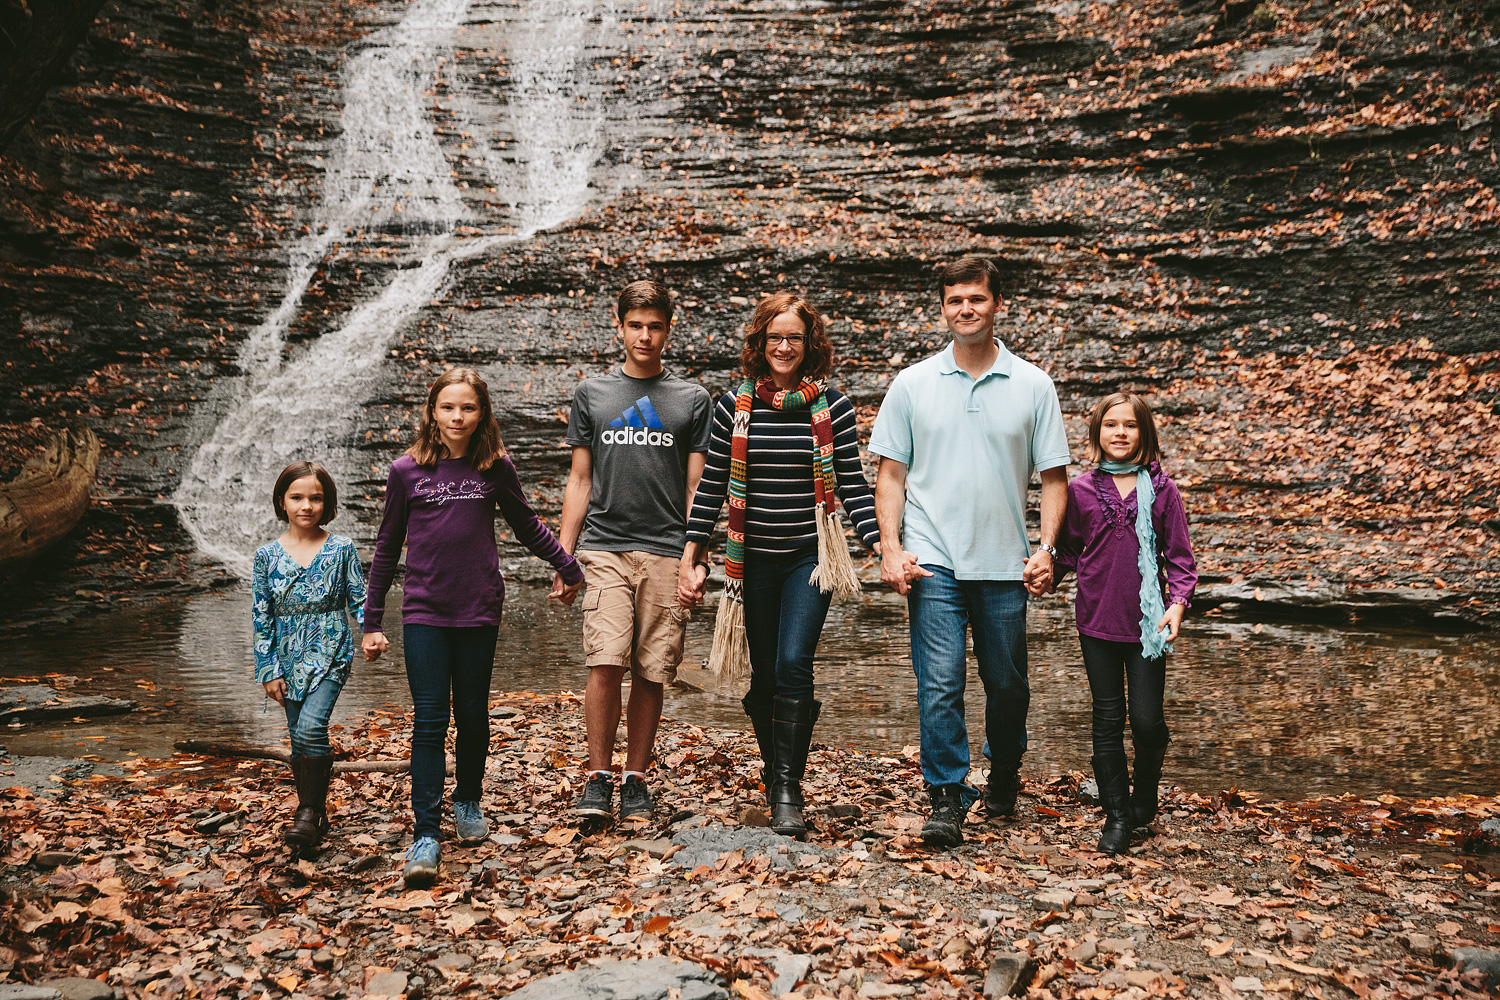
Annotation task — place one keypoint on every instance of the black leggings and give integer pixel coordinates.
(1113, 667)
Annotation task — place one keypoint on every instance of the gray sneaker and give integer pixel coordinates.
(469, 822)
(421, 864)
(597, 800)
(635, 799)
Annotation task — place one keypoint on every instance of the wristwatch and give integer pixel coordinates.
(1049, 549)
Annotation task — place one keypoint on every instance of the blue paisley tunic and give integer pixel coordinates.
(301, 615)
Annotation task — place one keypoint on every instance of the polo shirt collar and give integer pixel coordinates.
(1002, 366)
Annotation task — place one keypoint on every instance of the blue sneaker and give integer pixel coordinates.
(469, 822)
(421, 863)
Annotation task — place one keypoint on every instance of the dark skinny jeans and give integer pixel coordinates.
(784, 617)
(446, 665)
(1114, 668)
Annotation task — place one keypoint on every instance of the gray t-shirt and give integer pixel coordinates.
(641, 432)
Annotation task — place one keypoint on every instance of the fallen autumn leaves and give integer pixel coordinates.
(113, 878)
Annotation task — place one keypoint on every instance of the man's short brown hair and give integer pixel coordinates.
(967, 270)
(644, 295)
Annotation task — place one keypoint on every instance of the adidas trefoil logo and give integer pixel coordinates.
(639, 424)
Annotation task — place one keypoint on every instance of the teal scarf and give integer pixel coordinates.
(1152, 605)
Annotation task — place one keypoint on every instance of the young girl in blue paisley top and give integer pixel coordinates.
(305, 585)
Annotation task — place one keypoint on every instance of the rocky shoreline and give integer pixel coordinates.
(170, 879)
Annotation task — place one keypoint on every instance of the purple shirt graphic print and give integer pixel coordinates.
(446, 517)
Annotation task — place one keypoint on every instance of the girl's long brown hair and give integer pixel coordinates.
(817, 358)
(1148, 449)
(485, 447)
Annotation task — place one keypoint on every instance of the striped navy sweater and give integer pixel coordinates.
(779, 497)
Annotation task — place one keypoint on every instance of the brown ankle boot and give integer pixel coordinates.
(311, 821)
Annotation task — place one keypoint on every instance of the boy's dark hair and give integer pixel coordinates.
(1148, 450)
(817, 359)
(644, 295)
(300, 470)
(967, 270)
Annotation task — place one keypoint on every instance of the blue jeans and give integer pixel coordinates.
(446, 665)
(307, 720)
(784, 617)
(1114, 668)
(942, 609)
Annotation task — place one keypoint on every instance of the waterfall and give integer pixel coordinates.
(388, 171)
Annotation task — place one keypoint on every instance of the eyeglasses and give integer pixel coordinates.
(796, 340)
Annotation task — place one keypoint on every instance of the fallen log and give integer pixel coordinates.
(48, 498)
(219, 748)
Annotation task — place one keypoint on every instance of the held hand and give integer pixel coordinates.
(565, 592)
(276, 690)
(692, 584)
(898, 568)
(1171, 622)
(1038, 574)
(375, 643)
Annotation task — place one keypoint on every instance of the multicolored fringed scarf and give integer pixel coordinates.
(835, 570)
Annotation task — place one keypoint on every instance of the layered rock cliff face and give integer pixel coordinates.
(1277, 218)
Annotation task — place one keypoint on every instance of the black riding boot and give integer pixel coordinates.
(760, 720)
(311, 821)
(791, 733)
(1143, 802)
(1112, 771)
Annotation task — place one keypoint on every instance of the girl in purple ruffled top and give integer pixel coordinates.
(1126, 539)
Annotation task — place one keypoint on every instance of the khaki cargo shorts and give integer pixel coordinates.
(631, 617)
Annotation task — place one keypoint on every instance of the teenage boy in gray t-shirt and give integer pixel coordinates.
(639, 435)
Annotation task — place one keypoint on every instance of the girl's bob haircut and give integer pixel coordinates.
(485, 447)
(817, 359)
(301, 470)
(1149, 448)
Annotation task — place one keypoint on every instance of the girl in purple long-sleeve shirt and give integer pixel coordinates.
(1136, 577)
(440, 500)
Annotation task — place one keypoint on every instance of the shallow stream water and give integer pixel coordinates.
(1285, 710)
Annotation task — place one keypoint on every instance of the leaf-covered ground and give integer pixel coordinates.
(172, 881)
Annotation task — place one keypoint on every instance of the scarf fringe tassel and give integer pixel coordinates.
(730, 659)
(835, 570)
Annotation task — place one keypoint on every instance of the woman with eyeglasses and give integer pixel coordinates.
(784, 446)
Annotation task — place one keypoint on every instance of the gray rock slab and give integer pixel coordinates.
(21, 991)
(1005, 972)
(1487, 960)
(790, 970)
(31, 702)
(38, 773)
(651, 979)
(387, 984)
(78, 988)
(705, 845)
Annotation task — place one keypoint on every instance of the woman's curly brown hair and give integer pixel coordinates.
(817, 359)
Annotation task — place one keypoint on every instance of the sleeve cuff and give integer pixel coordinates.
(890, 453)
(1045, 464)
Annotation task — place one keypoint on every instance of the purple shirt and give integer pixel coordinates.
(1098, 544)
(447, 517)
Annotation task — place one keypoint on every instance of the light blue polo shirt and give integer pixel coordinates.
(970, 448)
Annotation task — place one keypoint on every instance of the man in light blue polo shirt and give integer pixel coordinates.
(958, 436)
